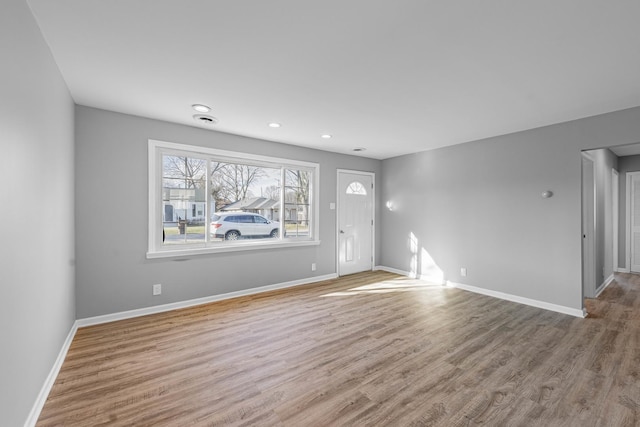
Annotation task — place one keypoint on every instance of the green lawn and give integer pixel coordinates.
(197, 229)
(298, 227)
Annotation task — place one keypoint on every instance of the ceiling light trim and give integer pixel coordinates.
(201, 108)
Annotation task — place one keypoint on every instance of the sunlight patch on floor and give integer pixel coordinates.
(387, 286)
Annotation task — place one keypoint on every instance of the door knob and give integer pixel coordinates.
(341, 231)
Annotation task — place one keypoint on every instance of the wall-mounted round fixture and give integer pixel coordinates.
(326, 136)
(201, 108)
(204, 119)
(359, 149)
(274, 125)
(547, 194)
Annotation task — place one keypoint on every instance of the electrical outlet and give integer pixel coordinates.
(313, 266)
(463, 271)
(157, 289)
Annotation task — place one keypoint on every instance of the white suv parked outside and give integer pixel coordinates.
(238, 225)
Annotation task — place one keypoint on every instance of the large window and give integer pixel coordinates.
(204, 200)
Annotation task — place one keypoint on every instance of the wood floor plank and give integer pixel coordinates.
(368, 349)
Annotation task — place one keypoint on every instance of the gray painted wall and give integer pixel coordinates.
(625, 164)
(113, 274)
(37, 308)
(478, 205)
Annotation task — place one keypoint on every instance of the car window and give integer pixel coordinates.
(259, 220)
(215, 217)
(231, 218)
(245, 219)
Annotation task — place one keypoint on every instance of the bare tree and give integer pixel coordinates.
(298, 181)
(230, 182)
(192, 172)
(297, 191)
(271, 192)
(218, 191)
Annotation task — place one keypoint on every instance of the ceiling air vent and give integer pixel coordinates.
(204, 119)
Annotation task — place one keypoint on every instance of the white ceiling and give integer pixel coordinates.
(626, 150)
(393, 76)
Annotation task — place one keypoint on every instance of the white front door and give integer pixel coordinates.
(355, 222)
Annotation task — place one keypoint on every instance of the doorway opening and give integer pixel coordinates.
(588, 226)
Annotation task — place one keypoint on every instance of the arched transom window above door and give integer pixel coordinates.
(356, 188)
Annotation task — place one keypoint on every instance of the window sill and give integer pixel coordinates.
(191, 250)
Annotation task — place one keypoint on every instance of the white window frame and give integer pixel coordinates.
(155, 247)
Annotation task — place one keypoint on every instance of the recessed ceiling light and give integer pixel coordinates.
(201, 108)
(359, 149)
(204, 119)
(326, 136)
(274, 125)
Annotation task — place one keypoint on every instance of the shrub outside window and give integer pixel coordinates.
(204, 200)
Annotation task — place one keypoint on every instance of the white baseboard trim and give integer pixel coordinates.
(604, 285)
(623, 270)
(89, 321)
(51, 378)
(426, 278)
(390, 270)
(501, 295)
(520, 300)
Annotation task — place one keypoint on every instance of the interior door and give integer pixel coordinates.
(635, 222)
(355, 222)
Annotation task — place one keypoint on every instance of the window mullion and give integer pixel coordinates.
(283, 223)
(207, 203)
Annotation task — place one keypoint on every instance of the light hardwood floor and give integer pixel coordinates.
(367, 349)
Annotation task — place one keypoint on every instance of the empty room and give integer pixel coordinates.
(285, 213)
